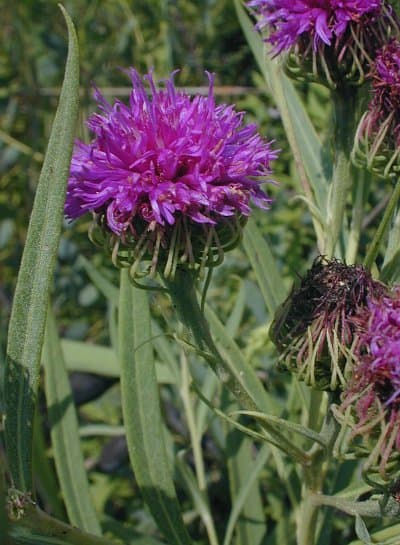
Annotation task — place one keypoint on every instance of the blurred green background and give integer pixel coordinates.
(164, 35)
(115, 34)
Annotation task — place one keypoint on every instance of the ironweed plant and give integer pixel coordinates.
(276, 417)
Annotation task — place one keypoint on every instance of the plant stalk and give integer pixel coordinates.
(184, 297)
(344, 105)
(381, 231)
(39, 524)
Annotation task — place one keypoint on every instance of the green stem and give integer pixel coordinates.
(368, 508)
(241, 381)
(361, 188)
(195, 436)
(344, 104)
(380, 233)
(307, 519)
(39, 524)
(183, 295)
(314, 474)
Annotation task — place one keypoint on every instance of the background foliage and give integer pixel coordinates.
(164, 35)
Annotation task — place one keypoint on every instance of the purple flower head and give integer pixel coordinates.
(321, 21)
(166, 160)
(378, 135)
(374, 390)
(386, 87)
(328, 41)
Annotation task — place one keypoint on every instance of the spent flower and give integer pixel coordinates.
(314, 330)
(169, 178)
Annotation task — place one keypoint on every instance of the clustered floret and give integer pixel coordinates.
(374, 390)
(165, 156)
(322, 21)
(385, 101)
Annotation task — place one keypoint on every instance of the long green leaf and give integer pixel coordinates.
(286, 425)
(246, 499)
(238, 366)
(90, 358)
(28, 314)
(302, 136)
(264, 265)
(102, 360)
(306, 146)
(388, 536)
(65, 434)
(35, 527)
(4, 526)
(46, 480)
(199, 498)
(142, 416)
(104, 285)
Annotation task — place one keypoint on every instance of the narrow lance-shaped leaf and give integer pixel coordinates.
(247, 496)
(301, 133)
(65, 434)
(306, 146)
(28, 314)
(142, 416)
(264, 265)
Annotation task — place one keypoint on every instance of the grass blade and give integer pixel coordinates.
(102, 360)
(46, 481)
(65, 434)
(28, 316)
(104, 285)
(247, 497)
(142, 416)
(199, 498)
(264, 265)
(311, 161)
(238, 366)
(90, 358)
(36, 527)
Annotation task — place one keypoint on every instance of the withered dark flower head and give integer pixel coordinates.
(314, 330)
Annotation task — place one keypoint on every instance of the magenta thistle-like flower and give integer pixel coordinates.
(329, 41)
(322, 21)
(168, 168)
(374, 391)
(385, 101)
(377, 139)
